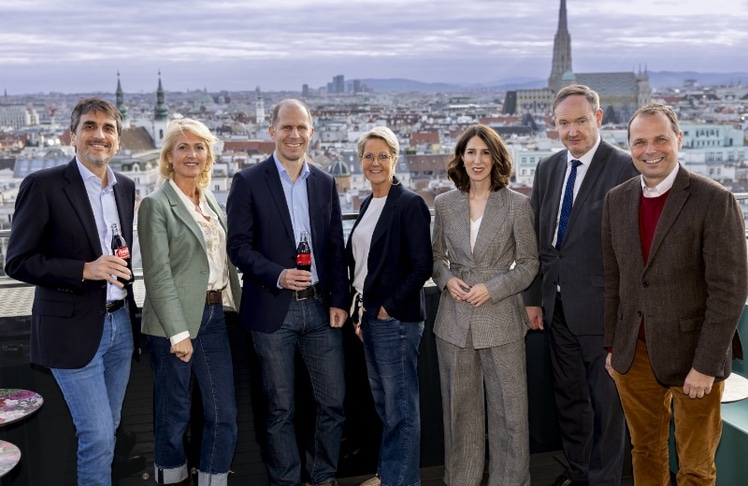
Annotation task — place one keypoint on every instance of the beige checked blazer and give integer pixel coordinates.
(505, 259)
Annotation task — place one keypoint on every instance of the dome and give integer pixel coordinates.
(339, 169)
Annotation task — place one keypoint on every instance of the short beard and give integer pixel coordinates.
(87, 156)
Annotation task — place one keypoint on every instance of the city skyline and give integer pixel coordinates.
(235, 45)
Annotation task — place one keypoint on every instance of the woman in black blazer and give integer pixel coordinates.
(389, 257)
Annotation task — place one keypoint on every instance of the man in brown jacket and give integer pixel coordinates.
(676, 280)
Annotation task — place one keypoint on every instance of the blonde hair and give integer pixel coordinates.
(173, 131)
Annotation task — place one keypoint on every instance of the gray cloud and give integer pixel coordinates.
(233, 44)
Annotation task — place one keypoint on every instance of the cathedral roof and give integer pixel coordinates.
(610, 84)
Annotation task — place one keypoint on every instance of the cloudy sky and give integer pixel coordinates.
(78, 46)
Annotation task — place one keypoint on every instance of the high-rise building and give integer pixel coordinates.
(338, 84)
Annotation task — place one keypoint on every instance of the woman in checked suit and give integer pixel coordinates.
(485, 254)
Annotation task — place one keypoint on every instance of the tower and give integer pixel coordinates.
(259, 107)
(121, 104)
(561, 51)
(644, 89)
(160, 115)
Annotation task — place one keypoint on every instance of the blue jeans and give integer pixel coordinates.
(391, 349)
(213, 369)
(306, 328)
(94, 395)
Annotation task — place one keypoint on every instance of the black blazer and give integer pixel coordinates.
(400, 258)
(578, 265)
(54, 234)
(260, 241)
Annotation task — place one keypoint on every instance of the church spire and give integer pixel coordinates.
(120, 98)
(162, 111)
(561, 51)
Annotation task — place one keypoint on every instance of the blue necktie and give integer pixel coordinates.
(563, 220)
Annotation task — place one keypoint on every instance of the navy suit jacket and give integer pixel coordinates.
(261, 242)
(578, 265)
(400, 259)
(54, 234)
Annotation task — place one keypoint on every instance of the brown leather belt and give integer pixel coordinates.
(312, 291)
(213, 297)
(114, 305)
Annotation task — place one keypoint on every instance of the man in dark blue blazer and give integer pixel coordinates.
(569, 287)
(285, 309)
(82, 324)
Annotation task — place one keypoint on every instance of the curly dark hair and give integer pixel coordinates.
(501, 169)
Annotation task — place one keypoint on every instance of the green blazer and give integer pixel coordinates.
(175, 264)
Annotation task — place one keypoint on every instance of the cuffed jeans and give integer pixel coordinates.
(213, 369)
(648, 406)
(94, 395)
(391, 349)
(306, 328)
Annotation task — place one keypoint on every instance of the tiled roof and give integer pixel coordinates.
(610, 84)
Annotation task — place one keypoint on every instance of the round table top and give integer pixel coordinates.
(16, 404)
(9, 457)
(736, 388)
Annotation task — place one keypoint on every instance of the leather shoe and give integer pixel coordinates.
(564, 480)
(375, 481)
(124, 467)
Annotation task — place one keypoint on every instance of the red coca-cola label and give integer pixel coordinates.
(304, 259)
(123, 252)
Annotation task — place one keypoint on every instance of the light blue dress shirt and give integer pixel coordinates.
(297, 200)
(104, 208)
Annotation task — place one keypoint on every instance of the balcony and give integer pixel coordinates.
(48, 443)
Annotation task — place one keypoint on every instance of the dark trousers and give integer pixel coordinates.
(590, 416)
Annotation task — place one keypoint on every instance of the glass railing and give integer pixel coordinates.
(348, 220)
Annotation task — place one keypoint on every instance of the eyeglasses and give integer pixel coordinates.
(381, 157)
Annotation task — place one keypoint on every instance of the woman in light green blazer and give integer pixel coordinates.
(189, 281)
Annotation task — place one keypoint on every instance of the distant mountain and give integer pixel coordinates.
(511, 84)
(398, 85)
(675, 79)
(657, 79)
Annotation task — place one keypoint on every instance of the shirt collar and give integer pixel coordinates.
(662, 187)
(585, 159)
(282, 170)
(86, 174)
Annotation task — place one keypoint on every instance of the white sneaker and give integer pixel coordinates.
(375, 481)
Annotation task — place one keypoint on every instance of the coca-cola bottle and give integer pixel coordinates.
(304, 253)
(120, 249)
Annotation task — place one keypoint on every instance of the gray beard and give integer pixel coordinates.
(96, 162)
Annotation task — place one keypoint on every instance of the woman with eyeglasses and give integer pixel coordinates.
(485, 255)
(389, 258)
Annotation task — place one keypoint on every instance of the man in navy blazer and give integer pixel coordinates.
(569, 287)
(285, 309)
(82, 324)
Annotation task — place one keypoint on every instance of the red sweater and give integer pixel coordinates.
(650, 209)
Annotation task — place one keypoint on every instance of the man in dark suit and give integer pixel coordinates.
(676, 280)
(289, 310)
(567, 295)
(82, 325)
